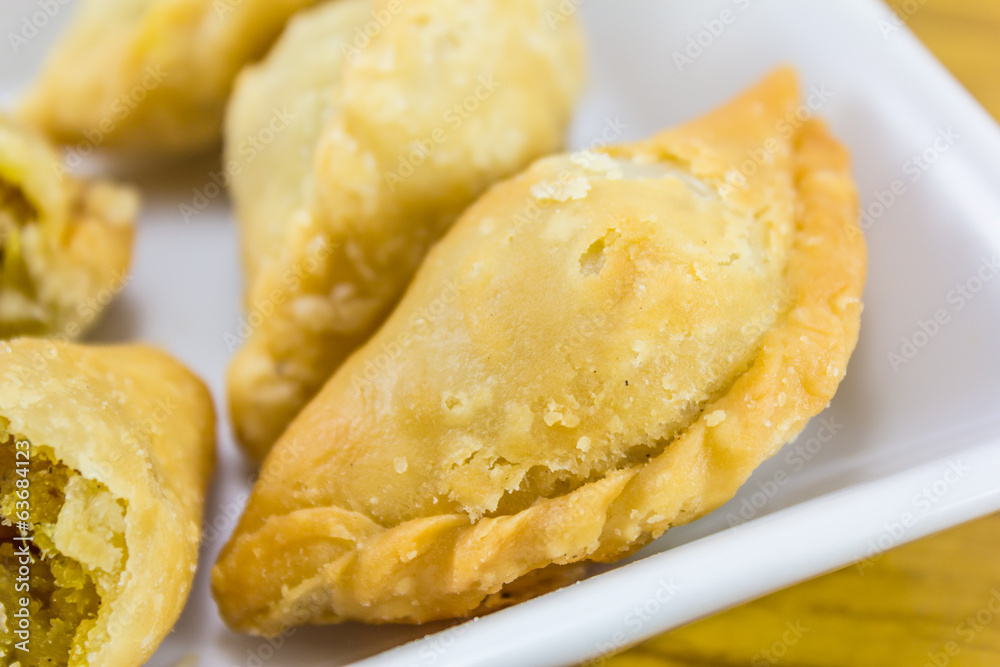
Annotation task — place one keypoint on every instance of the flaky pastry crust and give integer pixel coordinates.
(350, 157)
(136, 428)
(151, 76)
(65, 243)
(602, 348)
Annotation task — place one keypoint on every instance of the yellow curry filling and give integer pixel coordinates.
(20, 314)
(76, 555)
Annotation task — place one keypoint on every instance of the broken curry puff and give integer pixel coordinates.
(602, 348)
(65, 243)
(375, 147)
(105, 456)
(152, 75)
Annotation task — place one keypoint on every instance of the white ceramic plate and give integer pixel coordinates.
(910, 445)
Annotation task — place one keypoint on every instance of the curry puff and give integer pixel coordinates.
(151, 75)
(105, 456)
(352, 148)
(65, 244)
(602, 348)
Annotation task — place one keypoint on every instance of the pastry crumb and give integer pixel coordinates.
(557, 414)
(595, 162)
(575, 188)
(715, 418)
(400, 464)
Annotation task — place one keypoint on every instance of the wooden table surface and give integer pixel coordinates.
(933, 603)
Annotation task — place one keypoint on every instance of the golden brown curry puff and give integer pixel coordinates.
(350, 157)
(105, 456)
(65, 244)
(602, 348)
(151, 76)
